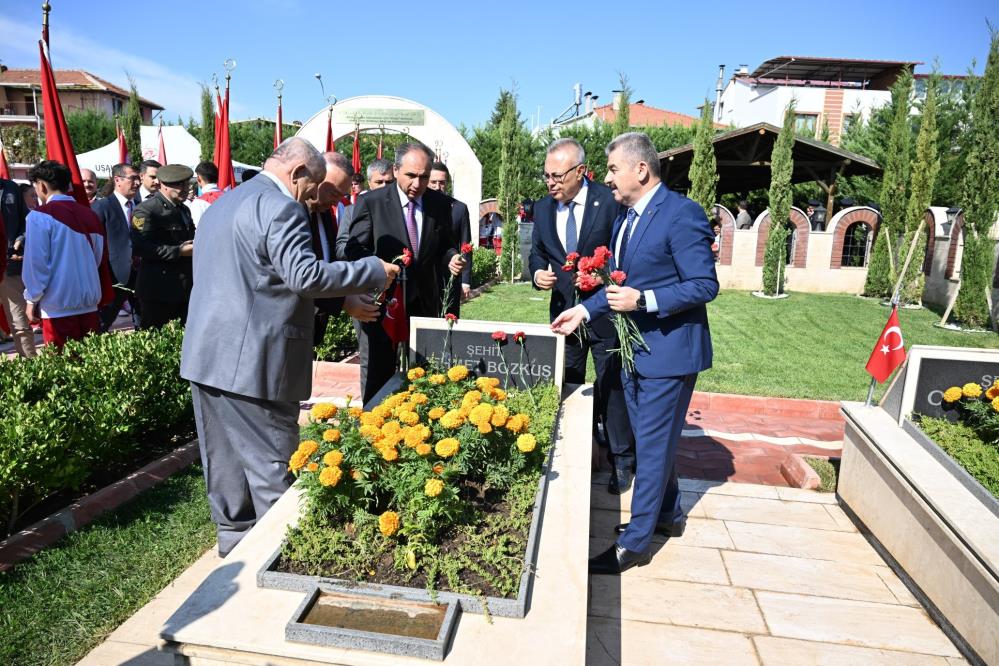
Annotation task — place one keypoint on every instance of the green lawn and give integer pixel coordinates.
(59, 604)
(805, 346)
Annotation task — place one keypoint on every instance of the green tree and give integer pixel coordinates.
(90, 129)
(924, 175)
(870, 139)
(24, 144)
(622, 119)
(980, 197)
(824, 132)
(781, 168)
(954, 98)
(131, 123)
(253, 141)
(703, 167)
(509, 180)
(881, 271)
(207, 133)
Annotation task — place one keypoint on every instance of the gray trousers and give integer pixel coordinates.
(12, 301)
(245, 446)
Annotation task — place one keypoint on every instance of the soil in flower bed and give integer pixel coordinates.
(153, 446)
(482, 556)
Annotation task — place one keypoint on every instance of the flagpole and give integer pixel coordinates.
(278, 135)
(46, 8)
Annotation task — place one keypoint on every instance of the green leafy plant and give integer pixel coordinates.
(483, 266)
(781, 169)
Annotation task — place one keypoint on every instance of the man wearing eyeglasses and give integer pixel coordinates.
(577, 216)
(115, 213)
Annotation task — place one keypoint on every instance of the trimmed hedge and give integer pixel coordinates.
(483, 266)
(66, 415)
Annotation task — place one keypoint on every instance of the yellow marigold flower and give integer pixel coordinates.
(391, 428)
(474, 397)
(498, 394)
(437, 380)
(526, 443)
(438, 468)
(333, 458)
(995, 404)
(371, 433)
(409, 418)
(388, 523)
(481, 414)
(330, 476)
(331, 435)
(525, 418)
(308, 447)
(516, 423)
(457, 373)
(452, 419)
(953, 394)
(392, 440)
(394, 400)
(435, 413)
(372, 419)
(415, 373)
(485, 428)
(447, 447)
(411, 387)
(433, 487)
(382, 411)
(971, 390)
(390, 453)
(423, 449)
(417, 435)
(500, 415)
(419, 399)
(312, 467)
(323, 411)
(298, 460)
(355, 412)
(486, 383)
(992, 393)
(356, 474)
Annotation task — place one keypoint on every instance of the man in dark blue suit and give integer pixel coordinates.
(663, 244)
(115, 213)
(577, 216)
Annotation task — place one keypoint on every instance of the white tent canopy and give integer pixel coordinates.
(180, 146)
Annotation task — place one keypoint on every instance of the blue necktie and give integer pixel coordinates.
(628, 224)
(571, 234)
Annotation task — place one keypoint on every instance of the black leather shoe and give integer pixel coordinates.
(620, 480)
(673, 529)
(616, 560)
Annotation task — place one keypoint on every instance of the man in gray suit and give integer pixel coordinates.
(248, 345)
(115, 213)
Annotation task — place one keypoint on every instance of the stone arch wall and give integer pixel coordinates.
(842, 222)
(488, 206)
(800, 221)
(727, 234)
(956, 240)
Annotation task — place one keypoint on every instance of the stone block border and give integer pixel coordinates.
(87, 509)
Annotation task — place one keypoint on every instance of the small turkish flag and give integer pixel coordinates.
(396, 321)
(889, 352)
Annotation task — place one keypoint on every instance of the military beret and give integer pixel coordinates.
(174, 173)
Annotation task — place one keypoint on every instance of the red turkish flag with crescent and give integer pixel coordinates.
(396, 321)
(889, 352)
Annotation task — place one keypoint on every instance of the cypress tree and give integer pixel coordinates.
(131, 123)
(703, 167)
(207, 133)
(881, 271)
(622, 120)
(980, 197)
(924, 175)
(781, 168)
(508, 186)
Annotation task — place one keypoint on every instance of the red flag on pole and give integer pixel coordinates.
(889, 352)
(58, 144)
(162, 157)
(4, 169)
(355, 157)
(277, 126)
(218, 125)
(122, 147)
(227, 178)
(329, 131)
(396, 322)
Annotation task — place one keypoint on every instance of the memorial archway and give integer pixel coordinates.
(373, 113)
(724, 215)
(799, 239)
(849, 244)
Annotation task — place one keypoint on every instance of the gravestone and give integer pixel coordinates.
(541, 359)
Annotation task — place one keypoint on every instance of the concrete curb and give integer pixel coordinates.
(822, 410)
(47, 531)
(798, 473)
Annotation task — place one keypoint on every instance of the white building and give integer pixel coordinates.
(828, 91)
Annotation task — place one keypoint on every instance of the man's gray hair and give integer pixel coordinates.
(379, 166)
(295, 149)
(568, 144)
(636, 147)
(339, 161)
(406, 148)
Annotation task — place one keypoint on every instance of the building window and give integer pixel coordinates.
(856, 245)
(848, 119)
(805, 123)
(116, 106)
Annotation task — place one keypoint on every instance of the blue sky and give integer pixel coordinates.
(456, 56)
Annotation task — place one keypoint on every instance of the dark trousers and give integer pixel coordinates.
(658, 408)
(109, 313)
(156, 314)
(378, 357)
(245, 447)
(608, 397)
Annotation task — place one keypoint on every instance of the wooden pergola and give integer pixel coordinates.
(743, 159)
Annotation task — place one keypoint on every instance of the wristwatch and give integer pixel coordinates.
(641, 302)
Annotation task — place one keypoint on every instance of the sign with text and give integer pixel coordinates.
(541, 359)
(405, 117)
(930, 371)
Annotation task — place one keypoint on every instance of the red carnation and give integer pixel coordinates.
(588, 282)
(451, 318)
(466, 248)
(600, 257)
(570, 262)
(586, 265)
(407, 257)
(519, 337)
(499, 336)
(618, 277)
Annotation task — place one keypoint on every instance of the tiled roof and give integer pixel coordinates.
(67, 79)
(643, 115)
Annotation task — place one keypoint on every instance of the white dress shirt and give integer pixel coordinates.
(640, 206)
(199, 205)
(417, 213)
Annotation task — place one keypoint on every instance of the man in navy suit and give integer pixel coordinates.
(663, 244)
(115, 213)
(577, 216)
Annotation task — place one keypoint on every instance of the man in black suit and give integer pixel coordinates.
(115, 213)
(461, 232)
(386, 221)
(577, 216)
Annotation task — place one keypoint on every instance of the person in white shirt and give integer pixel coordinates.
(208, 178)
